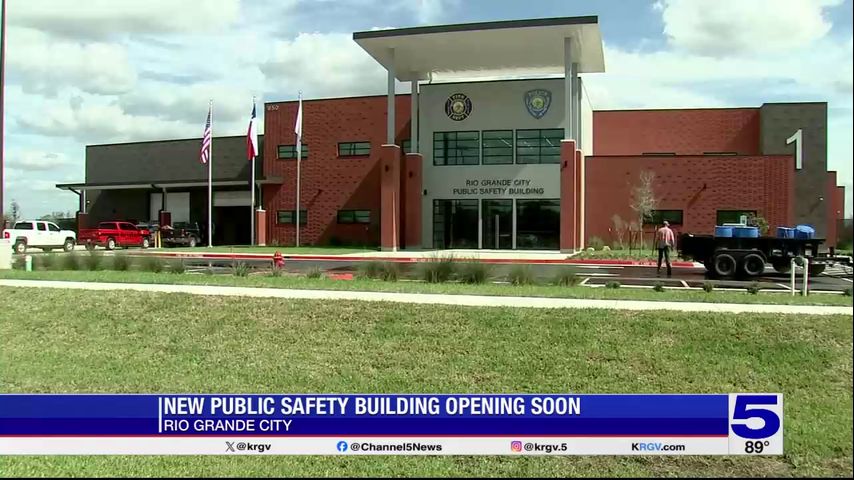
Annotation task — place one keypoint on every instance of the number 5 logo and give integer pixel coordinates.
(748, 407)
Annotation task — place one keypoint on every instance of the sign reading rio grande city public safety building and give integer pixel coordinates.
(499, 187)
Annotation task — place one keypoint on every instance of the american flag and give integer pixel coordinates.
(206, 139)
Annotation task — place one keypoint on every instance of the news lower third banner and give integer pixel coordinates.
(423, 424)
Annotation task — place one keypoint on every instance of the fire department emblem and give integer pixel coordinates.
(458, 107)
(538, 102)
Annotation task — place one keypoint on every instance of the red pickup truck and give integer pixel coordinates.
(114, 234)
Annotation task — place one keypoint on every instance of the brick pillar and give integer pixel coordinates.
(579, 204)
(82, 221)
(261, 227)
(165, 218)
(568, 198)
(412, 205)
(390, 197)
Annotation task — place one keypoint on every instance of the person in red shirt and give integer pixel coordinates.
(665, 240)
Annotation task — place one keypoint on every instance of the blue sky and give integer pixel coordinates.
(108, 71)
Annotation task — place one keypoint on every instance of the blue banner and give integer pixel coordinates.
(368, 415)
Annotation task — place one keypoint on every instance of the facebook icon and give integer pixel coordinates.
(342, 446)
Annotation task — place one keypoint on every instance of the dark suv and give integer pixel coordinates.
(180, 233)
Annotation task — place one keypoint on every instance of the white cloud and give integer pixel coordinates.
(35, 161)
(320, 64)
(101, 18)
(189, 103)
(731, 27)
(429, 11)
(42, 64)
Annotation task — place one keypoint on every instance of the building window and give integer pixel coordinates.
(538, 224)
(497, 147)
(733, 216)
(657, 217)
(538, 146)
(290, 152)
(353, 149)
(456, 148)
(287, 217)
(354, 216)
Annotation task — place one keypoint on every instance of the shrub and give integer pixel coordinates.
(437, 269)
(70, 261)
(612, 284)
(658, 287)
(847, 292)
(708, 287)
(19, 263)
(314, 272)
(240, 269)
(567, 277)
(521, 275)
(121, 262)
(596, 242)
(276, 271)
(390, 271)
(48, 261)
(372, 269)
(474, 271)
(753, 288)
(93, 261)
(176, 265)
(606, 248)
(153, 264)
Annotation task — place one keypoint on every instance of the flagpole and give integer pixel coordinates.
(210, 183)
(252, 182)
(299, 160)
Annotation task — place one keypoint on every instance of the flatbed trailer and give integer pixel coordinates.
(747, 257)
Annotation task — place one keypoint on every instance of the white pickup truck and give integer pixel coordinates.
(39, 234)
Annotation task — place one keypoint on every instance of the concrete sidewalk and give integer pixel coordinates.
(434, 299)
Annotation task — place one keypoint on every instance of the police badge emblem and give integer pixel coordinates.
(458, 107)
(537, 102)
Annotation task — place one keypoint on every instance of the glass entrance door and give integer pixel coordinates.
(455, 223)
(497, 224)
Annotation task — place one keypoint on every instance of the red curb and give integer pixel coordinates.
(339, 258)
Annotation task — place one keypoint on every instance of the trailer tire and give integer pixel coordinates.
(782, 266)
(753, 265)
(724, 265)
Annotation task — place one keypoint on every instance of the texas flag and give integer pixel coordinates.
(252, 136)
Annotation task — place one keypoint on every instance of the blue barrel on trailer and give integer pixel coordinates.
(725, 232)
(785, 232)
(745, 232)
(804, 232)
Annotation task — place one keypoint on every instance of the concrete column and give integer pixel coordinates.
(568, 197)
(412, 203)
(568, 88)
(578, 99)
(390, 125)
(413, 123)
(261, 227)
(390, 197)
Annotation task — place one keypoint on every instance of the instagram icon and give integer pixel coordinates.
(516, 446)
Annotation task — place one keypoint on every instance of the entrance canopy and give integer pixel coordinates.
(475, 49)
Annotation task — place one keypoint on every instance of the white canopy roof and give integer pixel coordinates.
(479, 48)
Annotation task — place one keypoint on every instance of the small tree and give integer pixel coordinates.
(759, 222)
(619, 229)
(643, 199)
(14, 212)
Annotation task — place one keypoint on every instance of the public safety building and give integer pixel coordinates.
(514, 157)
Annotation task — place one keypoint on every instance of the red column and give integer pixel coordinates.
(568, 198)
(82, 221)
(390, 160)
(579, 242)
(261, 227)
(165, 218)
(412, 204)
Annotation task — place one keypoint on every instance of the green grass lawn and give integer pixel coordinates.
(283, 250)
(81, 341)
(301, 282)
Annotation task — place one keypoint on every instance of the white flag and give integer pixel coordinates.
(298, 126)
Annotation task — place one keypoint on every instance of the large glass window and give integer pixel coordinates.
(538, 146)
(733, 216)
(285, 217)
(456, 148)
(352, 149)
(455, 223)
(354, 216)
(290, 152)
(538, 224)
(497, 147)
(497, 223)
(657, 217)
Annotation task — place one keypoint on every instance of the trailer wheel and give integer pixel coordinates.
(817, 269)
(782, 266)
(724, 265)
(753, 265)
